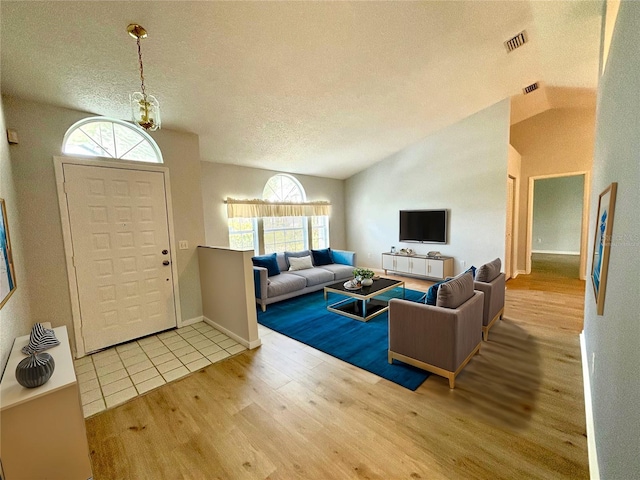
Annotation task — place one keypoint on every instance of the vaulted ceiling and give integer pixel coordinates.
(319, 88)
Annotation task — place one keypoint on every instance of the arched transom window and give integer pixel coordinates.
(110, 138)
(283, 188)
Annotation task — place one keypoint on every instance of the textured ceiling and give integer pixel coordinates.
(319, 88)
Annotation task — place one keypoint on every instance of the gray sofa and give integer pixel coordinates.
(289, 284)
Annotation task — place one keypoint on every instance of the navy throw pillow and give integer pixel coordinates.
(322, 257)
(269, 262)
(432, 294)
(471, 269)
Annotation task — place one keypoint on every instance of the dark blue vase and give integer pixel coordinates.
(35, 370)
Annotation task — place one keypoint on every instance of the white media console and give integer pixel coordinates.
(419, 265)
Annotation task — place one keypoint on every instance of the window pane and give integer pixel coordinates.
(78, 143)
(242, 234)
(320, 232)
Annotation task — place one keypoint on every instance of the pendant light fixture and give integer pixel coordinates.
(145, 109)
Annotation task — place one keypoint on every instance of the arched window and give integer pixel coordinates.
(110, 138)
(284, 233)
(279, 233)
(283, 188)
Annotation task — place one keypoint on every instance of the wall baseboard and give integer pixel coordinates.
(236, 337)
(594, 469)
(556, 252)
(191, 321)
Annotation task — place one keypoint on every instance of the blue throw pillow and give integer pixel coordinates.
(471, 269)
(432, 293)
(322, 257)
(269, 262)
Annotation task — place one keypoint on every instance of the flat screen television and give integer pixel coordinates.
(424, 226)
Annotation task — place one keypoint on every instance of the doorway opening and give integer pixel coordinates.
(557, 224)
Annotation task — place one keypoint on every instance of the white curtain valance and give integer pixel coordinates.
(262, 208)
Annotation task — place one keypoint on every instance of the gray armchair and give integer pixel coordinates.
(440, 339)
(491, 282)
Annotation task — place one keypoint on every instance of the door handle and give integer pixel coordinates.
(166, 262)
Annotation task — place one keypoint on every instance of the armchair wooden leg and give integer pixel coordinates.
(264, 307)
(389, 356)
(452, 381)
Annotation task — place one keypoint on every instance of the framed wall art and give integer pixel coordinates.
(602, 244)
(7, 273)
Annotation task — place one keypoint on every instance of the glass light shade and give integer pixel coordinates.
(145, 112)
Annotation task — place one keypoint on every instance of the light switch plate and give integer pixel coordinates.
(12, 136)
(183, 245)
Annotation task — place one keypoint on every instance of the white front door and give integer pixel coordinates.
(121, 253)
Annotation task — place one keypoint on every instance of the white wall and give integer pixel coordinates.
(614, 338)
(15, 316)
(41, 129)
(220, 181)
(557, 214)
(462, 168)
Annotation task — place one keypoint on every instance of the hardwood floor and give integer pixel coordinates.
(286, 411)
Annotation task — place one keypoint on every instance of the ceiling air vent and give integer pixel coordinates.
(515, 42)
(530, 88)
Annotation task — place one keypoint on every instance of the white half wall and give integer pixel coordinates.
(462, 168)
(228, 298)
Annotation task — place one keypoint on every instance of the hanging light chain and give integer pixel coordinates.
(145, 108)
(144, 94)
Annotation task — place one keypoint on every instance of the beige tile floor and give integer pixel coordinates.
(115, 375)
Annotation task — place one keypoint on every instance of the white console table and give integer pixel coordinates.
(420, 265)
(43, 432)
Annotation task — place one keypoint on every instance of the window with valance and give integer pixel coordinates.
(284, 217)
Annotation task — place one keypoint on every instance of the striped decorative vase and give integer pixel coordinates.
(35, 370)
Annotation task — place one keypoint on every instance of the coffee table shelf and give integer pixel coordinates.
(362, 304)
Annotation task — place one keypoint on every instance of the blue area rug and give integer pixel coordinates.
(363, 344)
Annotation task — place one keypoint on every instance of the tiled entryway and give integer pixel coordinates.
(115, 375)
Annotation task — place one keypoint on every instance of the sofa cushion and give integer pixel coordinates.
(282, 262)
(339, 270)
(487, 272)
(300, 263)
(267, 261)
(322, 257)
(285, 283)
(314, 276)
(456, 291)
(302, 253)
(343, 257)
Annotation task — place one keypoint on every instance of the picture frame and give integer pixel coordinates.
(7, 272)
(602, 244)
